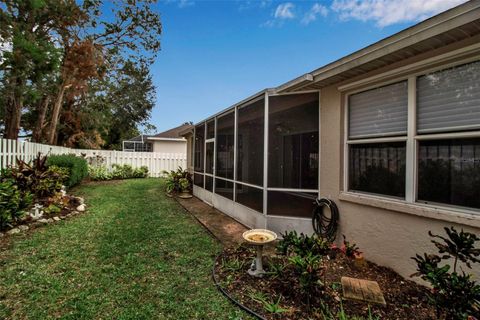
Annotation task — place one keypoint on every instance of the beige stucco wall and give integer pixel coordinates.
(170, 146)
(387, 237)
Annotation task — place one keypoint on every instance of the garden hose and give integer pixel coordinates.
(229, 297)
(323, 225)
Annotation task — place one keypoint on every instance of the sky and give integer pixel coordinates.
(217, 53)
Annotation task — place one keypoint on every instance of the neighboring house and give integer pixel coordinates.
(390, 133)
(169, 141)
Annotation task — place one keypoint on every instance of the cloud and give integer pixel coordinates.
(284, 11)
(181, 3)
(388, 12)
(316, 10)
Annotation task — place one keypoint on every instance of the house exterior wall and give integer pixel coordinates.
(388, 232)
(170, 146)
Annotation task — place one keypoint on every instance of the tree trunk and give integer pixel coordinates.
(13, 110)
(37, 134)
(55, 114)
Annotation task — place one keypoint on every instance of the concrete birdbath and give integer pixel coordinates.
(258, 238)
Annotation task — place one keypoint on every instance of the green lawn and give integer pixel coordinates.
(136, 254)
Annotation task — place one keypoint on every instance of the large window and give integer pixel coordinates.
(225, 145)
(449, 172)
(250, 143)
(293, 141)
(376, 166)
(438, 161)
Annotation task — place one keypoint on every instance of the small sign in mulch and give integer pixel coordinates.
(363, 290)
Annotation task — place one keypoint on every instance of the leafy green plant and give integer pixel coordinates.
(292, 243)
(77, 167)
(179, 180)
(36, 177)
(276, 269)
(274, 307)
(271, 307)
(456, 295)
(99, 173)
(309, 269)
(52, 209)
(12, 203)
(349, 249)
(233, 265)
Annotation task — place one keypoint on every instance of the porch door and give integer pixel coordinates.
(209, 167)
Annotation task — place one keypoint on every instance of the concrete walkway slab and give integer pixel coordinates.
(226, 229)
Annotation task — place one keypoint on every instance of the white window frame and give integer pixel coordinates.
(411, 139)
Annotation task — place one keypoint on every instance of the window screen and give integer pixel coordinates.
(378, 112)
(209, 183)
(449, 172)
(224, 188)
(291, 204)
(293, 141)
(250, 143)
(225, 145)
(199, 147)
(250, 197)
(209, 151)
(378, 168)
(210, 129)
(449, 100)
(198, 180)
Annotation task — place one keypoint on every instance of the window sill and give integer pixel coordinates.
(422, 210)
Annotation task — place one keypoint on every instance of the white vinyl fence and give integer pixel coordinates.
(156, 162)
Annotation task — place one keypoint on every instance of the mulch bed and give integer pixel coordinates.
(405, 299)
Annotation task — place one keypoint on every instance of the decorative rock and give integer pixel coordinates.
(13, 231)
(62, 217)
(81, 208)
(49, 220)
(1, 235)
(80, 200)
(23, 228)
(56, 218)
(45, 221)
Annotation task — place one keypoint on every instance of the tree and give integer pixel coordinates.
(27, 26)
(59, 50)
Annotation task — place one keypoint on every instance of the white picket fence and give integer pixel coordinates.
(156, 162)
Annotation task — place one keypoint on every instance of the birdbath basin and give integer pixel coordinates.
(258, 238)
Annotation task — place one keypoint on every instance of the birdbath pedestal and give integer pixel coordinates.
(258, 238)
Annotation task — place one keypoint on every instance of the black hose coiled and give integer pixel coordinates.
(324, 226)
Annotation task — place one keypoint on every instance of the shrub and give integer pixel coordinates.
(36, 177)
(178, 181)
(302, 244)
(125, 171)
(77, 167)
(99, 173)
(454, 294)
(308, 268)
(350, 250)
(12, 203)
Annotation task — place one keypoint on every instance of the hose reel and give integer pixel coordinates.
(325, 226)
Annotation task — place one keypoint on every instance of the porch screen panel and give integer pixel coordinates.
(291, 204)
(449, 100)
(225, 145)
(378, 112)
(293, 141)
(224, 188)
(211, 129)
(250, 143)
(198, 180)
(250, 197)
(199, 147)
